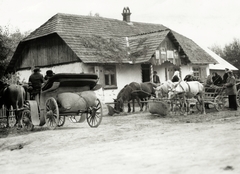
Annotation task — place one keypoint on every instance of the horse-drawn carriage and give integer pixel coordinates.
(216, 96)
(63, 95)
(209, 95)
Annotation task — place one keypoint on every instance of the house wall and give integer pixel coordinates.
(125, 74)
(77, 67)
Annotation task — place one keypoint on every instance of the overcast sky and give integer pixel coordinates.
(207, 22)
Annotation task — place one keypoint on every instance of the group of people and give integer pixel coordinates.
(36, 81)
(175, 78)
(228, 82)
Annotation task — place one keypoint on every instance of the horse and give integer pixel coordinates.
(162, 90)
(12, 95)
(132, 91)
(185, 90)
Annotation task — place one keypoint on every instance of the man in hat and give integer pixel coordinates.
(156, 78)
(190, 77)
(217, 79)
(225, 75)
(231, 91)
(35, 82)
(49, 74)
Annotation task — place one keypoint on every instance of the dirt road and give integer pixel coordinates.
(137, 143)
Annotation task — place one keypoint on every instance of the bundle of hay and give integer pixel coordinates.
(158, 107)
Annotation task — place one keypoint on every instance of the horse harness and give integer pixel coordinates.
(144, 91)
(183, 88)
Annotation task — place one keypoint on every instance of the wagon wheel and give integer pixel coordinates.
(94, 116)
(26, 120)
(179, 107)
(61, 121)
(52, 113)
(77, 118)
(199, 106)
(238, 98)
(220, 102)
(182, 109)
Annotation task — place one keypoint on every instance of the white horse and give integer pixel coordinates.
(162, 90)
(186, 90)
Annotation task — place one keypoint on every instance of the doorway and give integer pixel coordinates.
(145, 72)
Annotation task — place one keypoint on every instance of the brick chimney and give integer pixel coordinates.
(126, 14)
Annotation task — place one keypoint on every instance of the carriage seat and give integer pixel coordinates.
(71, 80)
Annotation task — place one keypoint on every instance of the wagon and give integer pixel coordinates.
(215, 96)
(47, 108)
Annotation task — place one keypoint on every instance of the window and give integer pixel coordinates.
(197, 72)
(110, 77)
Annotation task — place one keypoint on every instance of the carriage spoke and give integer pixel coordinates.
(52, 113)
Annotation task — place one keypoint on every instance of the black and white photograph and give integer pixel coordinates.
(119, 86)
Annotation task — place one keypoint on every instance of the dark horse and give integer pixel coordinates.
(12, 95)
(138, 91)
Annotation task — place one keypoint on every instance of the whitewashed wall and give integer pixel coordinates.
(125, 75)
(70, 68)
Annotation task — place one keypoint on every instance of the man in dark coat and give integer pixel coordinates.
(156, 78)
(217, 79)
(49, 74)
(35, 82)
(231, 91)
(225, 75)
(190, 77)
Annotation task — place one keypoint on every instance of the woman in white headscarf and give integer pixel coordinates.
(176, 77)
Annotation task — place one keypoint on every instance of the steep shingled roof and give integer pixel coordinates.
(75, 25)
(195, 53)
(84, 33)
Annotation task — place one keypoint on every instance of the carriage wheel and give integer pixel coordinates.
(26, 120)
(220, 102)
(77, 118)
(199, 106)
(238, 98)
(52, 113)
(94, 116)
(61, 121)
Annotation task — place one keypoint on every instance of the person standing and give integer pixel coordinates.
(35, 82)
(231, 91)
(156, 78)
(190, 77)
(225, 75)
(217, 79)
(209, 81)
(176, 77)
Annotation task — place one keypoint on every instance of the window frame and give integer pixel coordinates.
(112, 85)
(196, 70)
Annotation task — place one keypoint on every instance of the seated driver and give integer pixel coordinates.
(35, 82)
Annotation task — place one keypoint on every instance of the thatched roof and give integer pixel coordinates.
(98, 39)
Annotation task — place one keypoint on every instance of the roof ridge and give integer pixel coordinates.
(152, 32)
